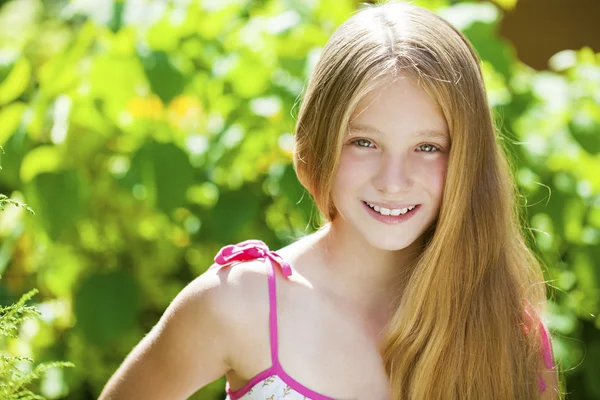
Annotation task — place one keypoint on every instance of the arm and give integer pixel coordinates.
(185, 351)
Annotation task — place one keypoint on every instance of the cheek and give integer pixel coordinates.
(436, 175)
(352, 170)
(351, 174)
(430, 173)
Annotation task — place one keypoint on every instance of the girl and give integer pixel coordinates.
(419, 285)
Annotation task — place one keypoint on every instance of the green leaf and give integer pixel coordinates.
(166, 80)
(574, 214)
(161, 35)
(40, 160)
(113, 83)
(10, 118)
(58, 199)
(106, 306)
(16, 82)
(205, 194)
(117, 16)
(173, 175)
(591, 368)
(290, 186)
(250, 77)
(234, 210)
(583, 261)
(216, 21)
(15, 149)
(63, 71)
(164, 172)
(585, 128)
(13, 315)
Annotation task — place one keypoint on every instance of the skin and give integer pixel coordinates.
(384, 160)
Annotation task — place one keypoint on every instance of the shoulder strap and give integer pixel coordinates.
(531, 319)
(255, 249)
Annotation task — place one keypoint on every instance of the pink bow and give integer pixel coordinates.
(250, 250)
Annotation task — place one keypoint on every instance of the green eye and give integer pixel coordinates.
(430, 148)
(362, 143)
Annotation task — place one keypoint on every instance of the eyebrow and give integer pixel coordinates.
(429, 133)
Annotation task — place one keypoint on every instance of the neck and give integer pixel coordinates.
(368, 277)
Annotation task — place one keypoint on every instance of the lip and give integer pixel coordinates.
(391, 219)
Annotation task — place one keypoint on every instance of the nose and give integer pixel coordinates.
(393, 175)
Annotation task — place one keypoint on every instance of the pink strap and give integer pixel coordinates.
(250, 250)
(532, 317)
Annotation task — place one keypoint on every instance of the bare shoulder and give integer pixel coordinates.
(226, 293)
(231, 298)
(244, 302)
(197, 339)
(237, 286)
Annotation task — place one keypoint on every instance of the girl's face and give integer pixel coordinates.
(394, 156)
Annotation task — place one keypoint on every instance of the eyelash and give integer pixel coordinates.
(424, 144)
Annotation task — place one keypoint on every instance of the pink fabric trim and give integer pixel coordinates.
(273, 315)
(250, 250)
(546, 347)
(531, 317)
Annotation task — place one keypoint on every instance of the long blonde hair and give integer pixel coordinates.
(458, 330)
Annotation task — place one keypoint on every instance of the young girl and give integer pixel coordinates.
(419, 285)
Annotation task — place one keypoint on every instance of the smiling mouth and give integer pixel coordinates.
(393, 211)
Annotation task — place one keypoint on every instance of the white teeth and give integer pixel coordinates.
(387, 211)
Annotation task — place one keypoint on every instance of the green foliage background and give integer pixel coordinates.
(148, 134)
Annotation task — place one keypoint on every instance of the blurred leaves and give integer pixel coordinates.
(16, 82)
(148, 134)
(106, 305)
(164, 77)
(59, 198)
(11, 118)
(161, 173)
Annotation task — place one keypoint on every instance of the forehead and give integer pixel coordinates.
(421, 133)
(398, 104)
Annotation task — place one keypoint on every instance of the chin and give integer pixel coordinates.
(390, 243)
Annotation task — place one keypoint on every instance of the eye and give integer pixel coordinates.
(362, 143)
(429, 148)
